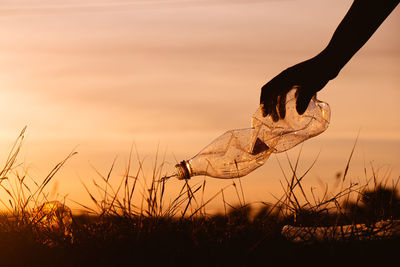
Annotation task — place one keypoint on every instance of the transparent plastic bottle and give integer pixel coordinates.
(238, 152)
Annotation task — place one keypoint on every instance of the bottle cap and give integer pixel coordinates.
(183, 170)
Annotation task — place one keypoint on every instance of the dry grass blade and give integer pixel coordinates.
(351, 155)
(92, 198)
(208, 201)
(13, 154)
(51, 175)
(190, 196)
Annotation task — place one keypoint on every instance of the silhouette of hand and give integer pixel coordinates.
(309, 77)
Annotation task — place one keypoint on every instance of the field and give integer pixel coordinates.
(360, 225)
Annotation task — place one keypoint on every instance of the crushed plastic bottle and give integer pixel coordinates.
(55, 219)
(238, 152)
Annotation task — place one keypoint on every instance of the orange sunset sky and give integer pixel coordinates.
(99, 75)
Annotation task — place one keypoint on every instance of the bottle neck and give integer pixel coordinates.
(184, 170)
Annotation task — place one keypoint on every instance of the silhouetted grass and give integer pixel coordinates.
(155, 231)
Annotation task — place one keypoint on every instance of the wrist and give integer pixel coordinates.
(329, 63)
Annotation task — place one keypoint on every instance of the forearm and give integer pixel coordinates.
(359, 24)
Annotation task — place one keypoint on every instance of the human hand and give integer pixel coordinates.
(308, 77)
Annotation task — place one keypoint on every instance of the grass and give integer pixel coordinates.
(119, 230)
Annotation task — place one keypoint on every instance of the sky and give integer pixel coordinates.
(103, 76)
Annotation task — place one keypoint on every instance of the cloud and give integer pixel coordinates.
(52, 7)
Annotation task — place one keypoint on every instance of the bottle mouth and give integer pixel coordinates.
(183, 170)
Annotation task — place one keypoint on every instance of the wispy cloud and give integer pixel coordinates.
(14, 8)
